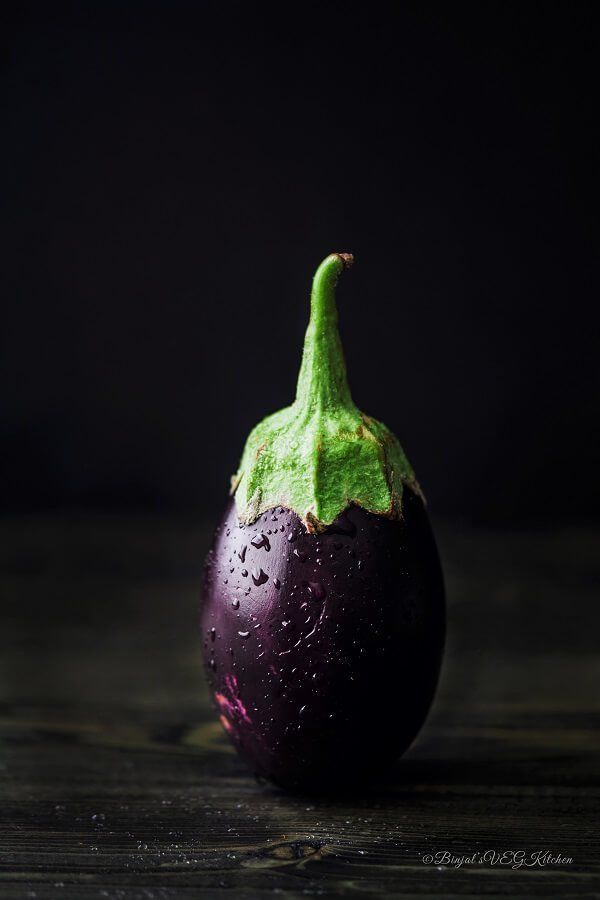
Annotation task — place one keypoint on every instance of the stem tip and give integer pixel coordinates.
(346, 258)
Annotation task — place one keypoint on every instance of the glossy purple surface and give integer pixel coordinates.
(322, 652)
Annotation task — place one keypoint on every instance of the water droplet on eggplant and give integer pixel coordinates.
(261, 541)
(259, 577)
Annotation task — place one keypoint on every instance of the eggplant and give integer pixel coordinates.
(323, 613)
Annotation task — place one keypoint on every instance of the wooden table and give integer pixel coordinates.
(116, 781)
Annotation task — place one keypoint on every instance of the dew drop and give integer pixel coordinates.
(277, 583)
(259, 577)
(235, 603)
(244, 573)
(261, 540)
(300, 554)
(244, 634)
(242, 552)
(213, 633)
(292, 537)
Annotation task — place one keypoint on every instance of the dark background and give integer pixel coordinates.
(172, 174)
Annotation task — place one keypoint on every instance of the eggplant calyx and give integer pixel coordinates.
(321, 454)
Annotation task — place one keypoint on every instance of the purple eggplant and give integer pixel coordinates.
(323, 612)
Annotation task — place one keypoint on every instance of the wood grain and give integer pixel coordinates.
(116, 781)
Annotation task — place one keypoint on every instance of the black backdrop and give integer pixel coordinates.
(173, 174)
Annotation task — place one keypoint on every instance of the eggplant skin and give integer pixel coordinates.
(322, 652)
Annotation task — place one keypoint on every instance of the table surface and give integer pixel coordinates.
(117, 782)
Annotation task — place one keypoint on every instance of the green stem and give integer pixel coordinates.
(322, 382)
(321, 455)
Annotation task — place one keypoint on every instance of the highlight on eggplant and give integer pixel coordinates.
(323, 613)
